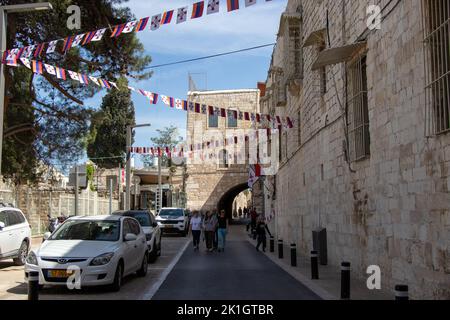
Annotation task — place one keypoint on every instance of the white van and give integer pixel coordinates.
(15, 235)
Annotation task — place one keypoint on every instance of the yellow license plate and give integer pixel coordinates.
(169, 225)
(60, 273)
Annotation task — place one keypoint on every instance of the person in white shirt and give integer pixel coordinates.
(196, 229)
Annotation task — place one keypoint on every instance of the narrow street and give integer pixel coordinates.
(240, 273)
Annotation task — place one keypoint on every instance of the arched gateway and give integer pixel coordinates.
(213, 183)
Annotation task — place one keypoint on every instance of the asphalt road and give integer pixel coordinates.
(240, 273)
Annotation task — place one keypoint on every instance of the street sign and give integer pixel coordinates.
(82, 181)
(111, 179)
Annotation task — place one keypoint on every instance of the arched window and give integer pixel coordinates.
(223, 159)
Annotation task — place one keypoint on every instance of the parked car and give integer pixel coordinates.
(173, 220)
(104, 248)
(151, 229)
(15, 235)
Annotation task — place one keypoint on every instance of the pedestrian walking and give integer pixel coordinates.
(222, 231)
(209, 226)
(195, 227)
(261, 229)
(253, 216)
(216, 232)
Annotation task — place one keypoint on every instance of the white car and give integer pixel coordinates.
(173, 220)
(151, 229)
(103, 248)
(15, 235)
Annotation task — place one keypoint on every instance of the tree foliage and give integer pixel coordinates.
(108, 133)
(46, 121)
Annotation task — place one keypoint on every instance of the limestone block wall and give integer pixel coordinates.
(393, 208)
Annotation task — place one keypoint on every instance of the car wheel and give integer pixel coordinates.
(142, 272)
(22, 255)
(118, 277)
(152, 256)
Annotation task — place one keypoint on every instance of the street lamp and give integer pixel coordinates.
(128, 164)
(4, 10)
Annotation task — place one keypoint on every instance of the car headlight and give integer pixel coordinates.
(32, 259)
(102, 259)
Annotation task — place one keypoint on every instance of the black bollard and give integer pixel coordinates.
(293, 255)
(33, 285)
(314, 265)
(401, 292)
(272, 244)
(280, 249)
(345, 280)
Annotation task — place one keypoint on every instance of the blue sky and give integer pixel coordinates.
(210, 34)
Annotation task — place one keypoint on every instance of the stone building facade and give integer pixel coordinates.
(369, 157)
(214, 184)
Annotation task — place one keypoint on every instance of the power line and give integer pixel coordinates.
(209, 57)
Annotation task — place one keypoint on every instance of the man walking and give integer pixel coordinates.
(261, 229)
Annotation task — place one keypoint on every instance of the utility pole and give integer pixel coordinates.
(110, 194)
(119, 184)
(159, 202)
(76, 190)
(128, 164)
(4, 11)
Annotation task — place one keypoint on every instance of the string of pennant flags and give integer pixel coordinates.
(186, 150)
(156, 21)
(39, 67)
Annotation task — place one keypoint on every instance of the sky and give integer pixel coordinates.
(208, 35)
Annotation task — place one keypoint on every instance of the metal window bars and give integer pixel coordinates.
(358, 114)
(436, 26)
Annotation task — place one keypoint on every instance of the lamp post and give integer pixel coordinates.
(128, 164)
(4, 11)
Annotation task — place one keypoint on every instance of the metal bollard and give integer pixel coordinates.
(293, 255)
(33, 285)
(280, 249)
(345, 280)
(314, 265)
(272, 244)
(401, 292)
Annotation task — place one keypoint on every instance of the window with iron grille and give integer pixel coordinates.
(436, 25)
(358, 114)
(213, 120)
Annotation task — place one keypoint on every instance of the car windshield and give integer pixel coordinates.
(171, 212)
(88, 230)
(142, 217)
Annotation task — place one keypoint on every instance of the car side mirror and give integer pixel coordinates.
(130, 237)
(47, 235)
(2, 225)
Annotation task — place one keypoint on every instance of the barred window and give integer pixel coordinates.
(358, 114)
(213, 121)
(322, 73)
(436, 25)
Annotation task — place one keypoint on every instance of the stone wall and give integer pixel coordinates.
(393, 208)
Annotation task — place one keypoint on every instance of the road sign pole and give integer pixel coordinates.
(76, 190)
(110, 195)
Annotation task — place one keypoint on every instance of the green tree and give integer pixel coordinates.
(168, 137)
(109, 134)
(46, 121)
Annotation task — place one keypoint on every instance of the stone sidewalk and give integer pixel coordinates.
(328, 287)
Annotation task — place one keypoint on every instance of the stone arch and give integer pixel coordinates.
(226, 201)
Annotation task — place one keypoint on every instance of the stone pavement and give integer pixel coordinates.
(328, 287)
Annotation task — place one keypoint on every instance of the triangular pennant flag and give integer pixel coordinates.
(37, 67)
(68, 43)
(77, 40)
(39, 50)
(52, 46)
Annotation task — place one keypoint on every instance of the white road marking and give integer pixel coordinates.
(155, 287)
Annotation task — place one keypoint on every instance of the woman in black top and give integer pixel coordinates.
(261, 229)
(222, 231)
